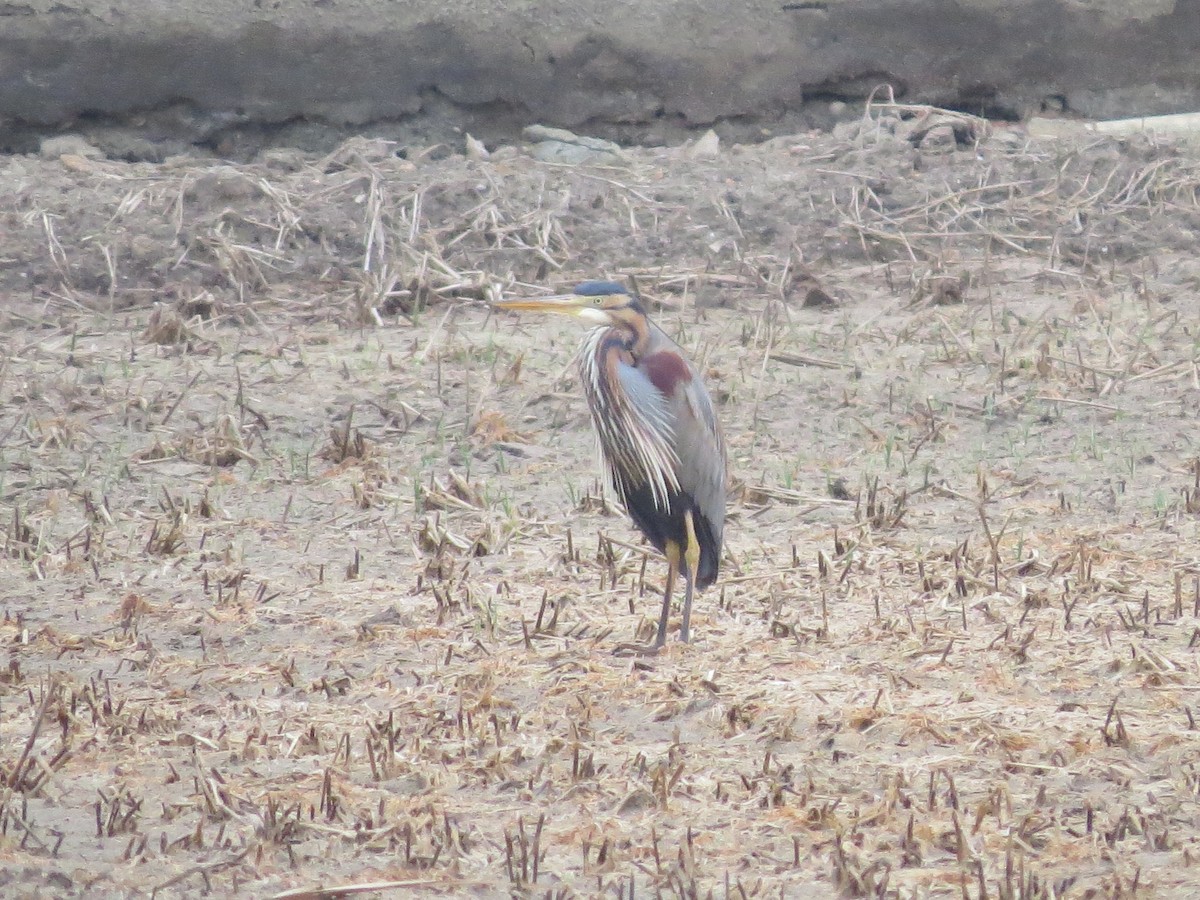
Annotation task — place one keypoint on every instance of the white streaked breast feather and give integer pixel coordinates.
(635, 426)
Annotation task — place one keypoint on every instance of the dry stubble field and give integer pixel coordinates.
(308, 580)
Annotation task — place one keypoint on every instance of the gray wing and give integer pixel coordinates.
(700, 447)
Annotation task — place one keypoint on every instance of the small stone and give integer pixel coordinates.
(572, 154)
(475, 148)
(74, 163)
(546, 133)
(557, 145)
(708, 146)
(67, 145)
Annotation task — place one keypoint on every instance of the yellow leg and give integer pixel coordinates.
(691, 561)
(672, 573)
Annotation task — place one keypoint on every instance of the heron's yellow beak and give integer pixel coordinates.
(563, 304)
(568, 304)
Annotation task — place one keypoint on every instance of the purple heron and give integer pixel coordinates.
(659, 437)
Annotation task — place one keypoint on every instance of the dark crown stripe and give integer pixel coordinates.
(599, 289)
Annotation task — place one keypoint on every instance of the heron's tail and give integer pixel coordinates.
(710, 549)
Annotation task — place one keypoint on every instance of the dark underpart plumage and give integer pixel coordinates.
(659, 528)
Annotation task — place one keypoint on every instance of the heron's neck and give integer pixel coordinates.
(636, 337)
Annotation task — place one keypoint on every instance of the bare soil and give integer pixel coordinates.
(308, 581)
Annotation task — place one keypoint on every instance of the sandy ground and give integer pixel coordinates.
(309, 581)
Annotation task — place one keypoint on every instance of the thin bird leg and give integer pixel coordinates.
(632, 649)
(672, 572)
(691, 561)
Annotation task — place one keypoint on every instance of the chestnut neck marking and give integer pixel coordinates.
(666, 371)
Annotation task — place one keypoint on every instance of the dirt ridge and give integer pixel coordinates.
(201, 69)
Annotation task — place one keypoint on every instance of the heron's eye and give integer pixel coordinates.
(598, 301)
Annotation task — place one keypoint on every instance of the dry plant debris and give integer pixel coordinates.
(310, 590)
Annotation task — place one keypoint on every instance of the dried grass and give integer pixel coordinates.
(952, 650)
